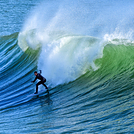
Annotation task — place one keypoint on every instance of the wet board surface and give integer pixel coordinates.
(41, 92)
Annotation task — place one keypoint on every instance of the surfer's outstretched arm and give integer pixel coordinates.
(34, 80)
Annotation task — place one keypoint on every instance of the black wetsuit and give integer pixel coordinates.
(42, 81)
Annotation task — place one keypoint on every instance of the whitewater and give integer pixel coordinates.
(85, 51)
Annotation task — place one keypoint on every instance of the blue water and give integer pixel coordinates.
(85, 51)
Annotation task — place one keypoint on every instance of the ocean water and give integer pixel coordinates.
(85, 50)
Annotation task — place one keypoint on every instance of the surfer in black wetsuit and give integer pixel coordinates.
(42, 81)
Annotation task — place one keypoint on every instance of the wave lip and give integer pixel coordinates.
(68, 58)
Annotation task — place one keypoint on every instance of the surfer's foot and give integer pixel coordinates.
(47, 91)
(36, 93)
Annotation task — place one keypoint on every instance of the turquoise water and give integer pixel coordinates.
(85, 51)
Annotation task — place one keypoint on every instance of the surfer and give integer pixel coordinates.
(42, 81)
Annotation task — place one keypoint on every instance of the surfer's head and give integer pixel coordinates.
(35, 73)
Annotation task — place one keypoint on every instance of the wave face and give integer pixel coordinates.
(85, 51)
(66, 58)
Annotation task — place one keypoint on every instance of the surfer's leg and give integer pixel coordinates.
(37, 86)
(45, 86)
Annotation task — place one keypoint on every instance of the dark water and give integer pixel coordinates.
(88, 64)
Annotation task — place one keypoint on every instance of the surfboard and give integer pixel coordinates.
(41, 92)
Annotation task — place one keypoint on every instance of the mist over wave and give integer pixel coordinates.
(72, 35)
